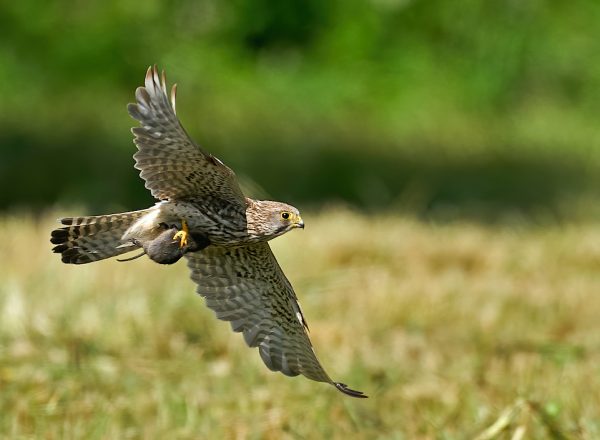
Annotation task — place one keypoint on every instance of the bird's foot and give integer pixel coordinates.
(182, 235)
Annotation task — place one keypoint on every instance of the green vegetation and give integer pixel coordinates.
(451, 330)
(444, 108)
(458, 287)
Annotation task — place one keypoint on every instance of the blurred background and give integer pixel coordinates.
(440, 108)
(445, 156)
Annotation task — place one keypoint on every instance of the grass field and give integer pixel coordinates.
(451, 330)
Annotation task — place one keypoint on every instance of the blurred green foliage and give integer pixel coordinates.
(441, 107)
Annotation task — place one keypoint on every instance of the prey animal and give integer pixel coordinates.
(203, 215)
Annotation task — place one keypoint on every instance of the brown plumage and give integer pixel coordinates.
(203, 215)
(86, 239)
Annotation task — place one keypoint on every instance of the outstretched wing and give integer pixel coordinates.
(172, 165)
(246, 286)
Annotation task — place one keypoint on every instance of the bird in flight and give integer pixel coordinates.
(203, 215)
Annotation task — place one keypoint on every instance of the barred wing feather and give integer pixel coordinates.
(171, 164)
(245, 286)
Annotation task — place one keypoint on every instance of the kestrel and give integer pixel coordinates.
(202, 214)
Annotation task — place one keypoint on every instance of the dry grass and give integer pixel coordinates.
(449, 329)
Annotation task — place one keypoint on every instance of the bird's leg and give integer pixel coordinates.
(183, 234)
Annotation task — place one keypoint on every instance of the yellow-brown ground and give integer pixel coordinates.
(443, 326)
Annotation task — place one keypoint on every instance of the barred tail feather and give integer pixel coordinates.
(87, 239)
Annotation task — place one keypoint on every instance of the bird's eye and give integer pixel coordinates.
(285, 215)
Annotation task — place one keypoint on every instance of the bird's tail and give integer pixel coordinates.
(87, 239)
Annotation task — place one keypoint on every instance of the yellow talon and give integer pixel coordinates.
(183, 234)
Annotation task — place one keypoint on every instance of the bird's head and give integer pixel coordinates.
(269, 219)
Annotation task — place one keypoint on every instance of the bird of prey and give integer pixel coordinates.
(202, 214)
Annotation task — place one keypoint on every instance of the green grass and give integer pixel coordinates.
(448, 328)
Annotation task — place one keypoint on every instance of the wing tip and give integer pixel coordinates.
(174, 97)
(348, 391)
(152, 82)
(154, 90)
(149, 73)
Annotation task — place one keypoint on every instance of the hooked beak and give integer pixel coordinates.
(300, 223)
